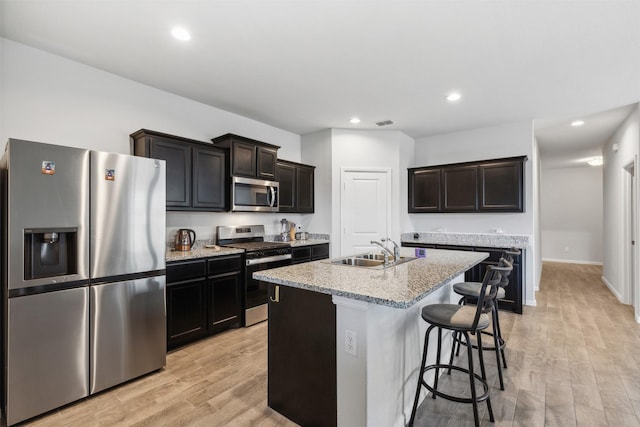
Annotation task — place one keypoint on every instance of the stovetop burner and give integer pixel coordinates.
(251, 239)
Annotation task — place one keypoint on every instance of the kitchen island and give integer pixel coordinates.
(345, 342)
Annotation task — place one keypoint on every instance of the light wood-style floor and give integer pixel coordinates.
(574, 360)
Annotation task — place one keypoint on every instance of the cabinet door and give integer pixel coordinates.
(424, 191)
(287, 180)
(267, 158)
(224, 301)
(244, 159)
(500, 186)
(305, 189)
(209, 179)
(460, 188)
(302, 356)
(186, 305)
(178, 158)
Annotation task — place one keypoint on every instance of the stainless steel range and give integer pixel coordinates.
(260, 255)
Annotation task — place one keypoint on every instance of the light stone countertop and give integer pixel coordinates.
(400, 286)
(307, 242)
(199, 252)
(489, 240)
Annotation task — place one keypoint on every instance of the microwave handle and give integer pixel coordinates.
(271, 196)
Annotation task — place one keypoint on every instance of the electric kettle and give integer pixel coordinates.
(184, 241)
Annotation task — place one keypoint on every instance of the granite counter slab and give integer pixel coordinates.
(199, 252)
(400, 286)
(307, 242)
(489, 240)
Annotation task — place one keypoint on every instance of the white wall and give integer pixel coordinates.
(316, 150)
(571, 214)
(627, 139)
(537, 231)
(510, 140)
(370, 149)
(47, 98)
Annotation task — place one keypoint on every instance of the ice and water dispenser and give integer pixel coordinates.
(50, 252)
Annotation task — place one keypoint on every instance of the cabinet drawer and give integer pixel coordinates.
(185, 270)
(224, 264)
(320, 252)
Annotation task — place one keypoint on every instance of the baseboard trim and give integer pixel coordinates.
(571, 261)
(531, 302)
(612, 289)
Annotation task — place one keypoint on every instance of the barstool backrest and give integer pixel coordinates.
(490, 283)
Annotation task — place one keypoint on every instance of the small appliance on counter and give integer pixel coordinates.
(184, 241)
(284, 230)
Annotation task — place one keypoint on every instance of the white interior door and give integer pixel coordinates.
(365, 209)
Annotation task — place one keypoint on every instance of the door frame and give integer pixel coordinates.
(343, 174)
(630, 254)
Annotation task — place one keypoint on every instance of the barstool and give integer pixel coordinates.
(469, 292)
(466, 320)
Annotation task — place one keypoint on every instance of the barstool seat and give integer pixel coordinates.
(454, 317)
(472, 289)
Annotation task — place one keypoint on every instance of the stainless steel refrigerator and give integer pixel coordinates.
(83, 273)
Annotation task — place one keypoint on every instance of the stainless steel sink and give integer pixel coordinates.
(358, 262)
(373, 261)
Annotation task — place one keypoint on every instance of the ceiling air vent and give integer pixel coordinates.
(384, 123)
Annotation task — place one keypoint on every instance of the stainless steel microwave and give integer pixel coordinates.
(254, 195)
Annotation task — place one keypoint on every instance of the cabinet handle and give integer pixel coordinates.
(277, 294)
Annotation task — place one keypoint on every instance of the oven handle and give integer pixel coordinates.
(268, 259)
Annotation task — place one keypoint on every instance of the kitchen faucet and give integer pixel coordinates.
(396, 248)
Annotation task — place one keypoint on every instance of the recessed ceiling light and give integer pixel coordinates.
(596, 161)
(181, 34)
(354, 120)
(453, 97)
(577, 123)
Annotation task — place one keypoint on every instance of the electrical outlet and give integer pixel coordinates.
(566, 249)
(350, 342)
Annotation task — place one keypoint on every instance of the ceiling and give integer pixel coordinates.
(308, 65)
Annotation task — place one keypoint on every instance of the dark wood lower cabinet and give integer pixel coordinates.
(302, 356)
(513, 293)
(204, 296)
(186, 319)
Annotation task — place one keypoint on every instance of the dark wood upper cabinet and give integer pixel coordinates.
(460, 189)
(267, 159)
(296, 187)
(483, 186)
(248, 157)
(424, 190)
(305, 188)
(195, 171)
(287, 180)
(209, 178)
(178, 164)
(501, 186)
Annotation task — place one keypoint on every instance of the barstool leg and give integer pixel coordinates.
(453, 348)
(420, 380)
(472, 382)
(496, 342)
(435, 383)
(484, 374)
(500, 339)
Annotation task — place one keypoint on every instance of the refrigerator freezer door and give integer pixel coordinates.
(48, 352)
(48, 188)
(128, 330)
(127, 214)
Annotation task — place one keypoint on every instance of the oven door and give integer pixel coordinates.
(256, 292)
(254, 195)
